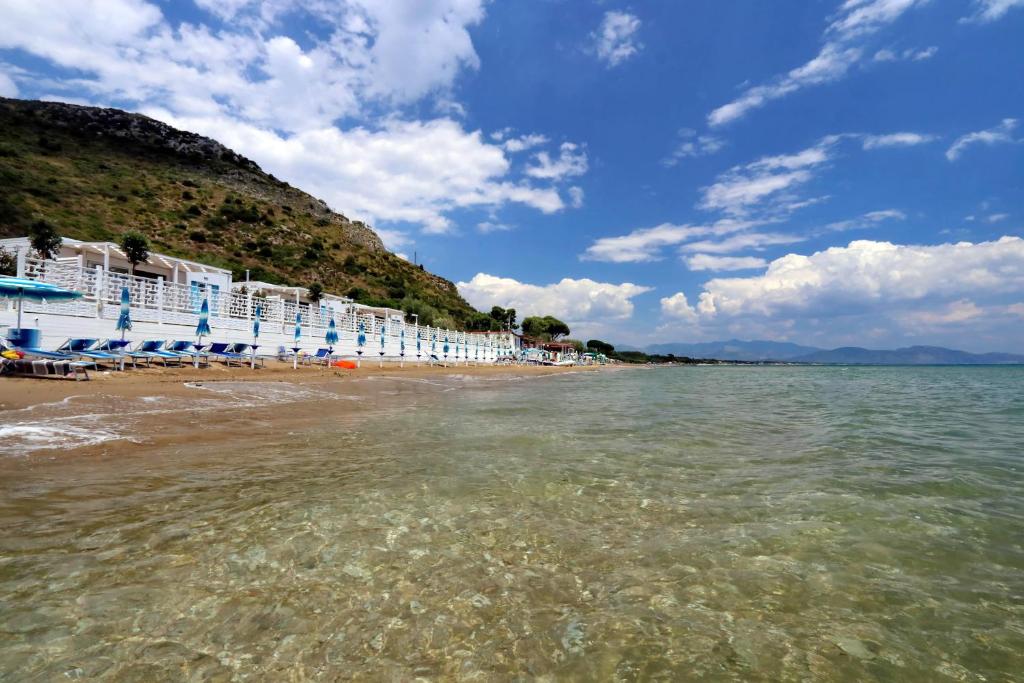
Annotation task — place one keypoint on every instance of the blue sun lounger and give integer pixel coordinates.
(43, 354)
(221, 351)
(154, 348)
(89, 349)
(187, 350)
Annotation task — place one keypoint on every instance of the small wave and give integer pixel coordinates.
(26, 437)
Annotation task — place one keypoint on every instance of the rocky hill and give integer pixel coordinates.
(97, 173)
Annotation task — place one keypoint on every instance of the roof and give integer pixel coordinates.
(99, 248)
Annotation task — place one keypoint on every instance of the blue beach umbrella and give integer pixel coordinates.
(33, 290)
(203, 328)
(124, 320)
(332, 333)
(255, 332)
(401, 343)
(298, 338)
(446, 348)
(361, 340)
(382, 346)
(419, 342)
(478, 349)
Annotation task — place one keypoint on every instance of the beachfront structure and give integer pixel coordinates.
(166, 294)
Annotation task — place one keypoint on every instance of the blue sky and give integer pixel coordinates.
(829, 173)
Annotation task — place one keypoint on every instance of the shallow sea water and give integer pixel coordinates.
(691, 523)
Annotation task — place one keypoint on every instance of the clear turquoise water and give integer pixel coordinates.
(718, 522)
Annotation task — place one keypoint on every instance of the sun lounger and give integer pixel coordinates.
(88, 348)
(321, 357)
(154, 348)
(119, 349)
(188, 350)
(221, 351)
(246, 351)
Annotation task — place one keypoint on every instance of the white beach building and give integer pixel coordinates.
(166, 294)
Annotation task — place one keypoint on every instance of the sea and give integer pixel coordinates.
(684, 523)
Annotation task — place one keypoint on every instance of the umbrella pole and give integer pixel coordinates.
(21, 302)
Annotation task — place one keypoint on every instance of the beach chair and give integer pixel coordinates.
(321, 357)
(69, 363)
(88, 348)
(155, 348)
(221, 351)
(119, 349)
(286, 354)
(188, 350)
(246, 351)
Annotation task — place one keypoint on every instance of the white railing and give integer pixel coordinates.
(155, 300)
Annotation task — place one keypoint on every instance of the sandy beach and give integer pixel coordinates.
(18, 393)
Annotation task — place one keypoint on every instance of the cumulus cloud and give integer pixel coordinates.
(868, 293)
(871, 274)
(998, 135)
(742, 241)
(840, 51)
(678, 308)
(275, 98)
(615, 39)
(692, 145)
(574, 301)
(895, 140)
(523, 142)
(992, 10)
(571, 161)
(709, 262)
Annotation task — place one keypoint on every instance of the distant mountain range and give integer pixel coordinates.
(735, 349)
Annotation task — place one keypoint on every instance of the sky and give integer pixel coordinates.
(826, 172)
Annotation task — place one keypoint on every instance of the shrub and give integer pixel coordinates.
(194, 210)
(44, 239)
(187, 196)
(197, 236)
(8, 262)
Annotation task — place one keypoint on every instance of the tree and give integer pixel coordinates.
(547, 328)
(600, 346)
(316, 292)
(8, 262)
(504, 316)
(136, 248)
(44, 239)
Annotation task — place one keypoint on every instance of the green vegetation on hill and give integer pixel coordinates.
(98, 174)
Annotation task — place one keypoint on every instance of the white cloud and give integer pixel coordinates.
(678, 308)
(615, 40)
(709, 262)
(856, 19)
(646, 244)
(523, 142)
(742, 188)
(873, 275)
(997, 217)
(895, 140)
(742, 241)
(693, 145)
(913, 54)
(394, 239)
(487, 227)
(991, 10)
(869, 220)
(275, 99)
(571, 161)
(1001, 134)
(576, 196)
(574, 301)
(409, 171)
